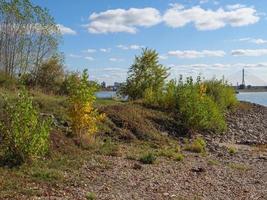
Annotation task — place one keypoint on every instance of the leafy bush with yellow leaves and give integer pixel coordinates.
(84, 117)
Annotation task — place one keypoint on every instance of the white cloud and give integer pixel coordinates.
(235, 6)
(249, 52)
(196, 54)
(89, 58)
(121, 20)
(89, 51)
(163, 57)
(74, 56)
(66, 30)
(130, 47)
(115, 59)
(105, 50)
(253, 40)
(203, 1)
(210, 19)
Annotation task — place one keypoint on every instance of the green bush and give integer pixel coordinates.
(197, 146)
(232, 150)
(221, 93)
(25, 135)
(90, 196)
(148, 158)
(198, 110)
(7, 82)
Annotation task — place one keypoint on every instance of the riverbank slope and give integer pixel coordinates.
(228, 166)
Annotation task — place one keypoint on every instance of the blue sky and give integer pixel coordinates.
(207, 37)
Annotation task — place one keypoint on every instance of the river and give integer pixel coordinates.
(253, 97)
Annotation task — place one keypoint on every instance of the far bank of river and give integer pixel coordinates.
(253, 97)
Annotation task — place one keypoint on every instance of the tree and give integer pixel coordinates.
(146, 73)
(28, 36)
(50, 74)
(83, 116)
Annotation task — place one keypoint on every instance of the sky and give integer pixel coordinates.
(210, 38)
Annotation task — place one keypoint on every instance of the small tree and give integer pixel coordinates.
(25, 135)
(83, 115)
(145, 74)
(50, 75)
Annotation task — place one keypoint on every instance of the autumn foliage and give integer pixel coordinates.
(83, 116)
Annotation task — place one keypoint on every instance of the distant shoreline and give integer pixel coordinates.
(252, 90)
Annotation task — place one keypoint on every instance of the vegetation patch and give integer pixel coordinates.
(232, 150)
(198, 145)
(90, 196)
(148, 158)
(238, 166)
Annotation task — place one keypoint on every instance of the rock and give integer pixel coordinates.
(262, 157)
(137, 166)
(198, 169)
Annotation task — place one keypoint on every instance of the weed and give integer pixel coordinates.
(179, 157)
(148, 158)
(46, 175)
(232, 150)
(197, 146)
(109, 148)
(213, 162)
(90, 196)
(238, 166)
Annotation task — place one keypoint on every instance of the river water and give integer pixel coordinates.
(253, 97)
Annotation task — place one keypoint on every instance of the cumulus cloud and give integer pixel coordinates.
(121, 20)
(253, 40)
(207, 19)
(66, 30)
(130, 47)
(249, 52)
(196, 54)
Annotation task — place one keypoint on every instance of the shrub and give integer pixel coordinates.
(197, 106)
(221, 93)
(50, 74)
(148, 158)
(232, 150)
(179, 157)
(90, 196)
(198, 110)
(84, 117)
(6, 81)
(25, 135)
(197, 146)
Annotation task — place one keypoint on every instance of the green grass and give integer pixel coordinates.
(105, 102)
(148, 158)
(198, 145)
(232, 150)
(213, 162)
(238, 166)
(90, 196)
